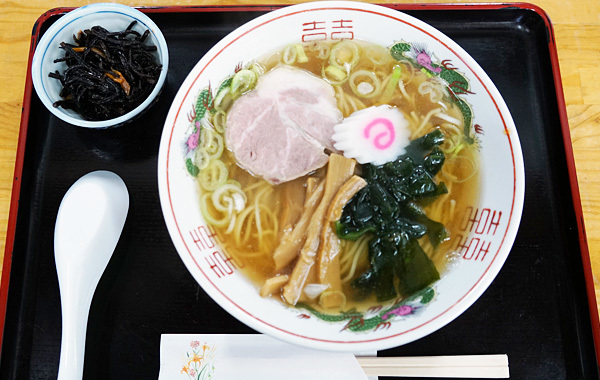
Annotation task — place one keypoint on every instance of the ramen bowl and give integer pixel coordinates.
(113, 18)
(484, 226)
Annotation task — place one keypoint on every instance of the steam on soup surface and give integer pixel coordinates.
(291, 175)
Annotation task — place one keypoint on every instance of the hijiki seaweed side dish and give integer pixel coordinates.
(108, 73)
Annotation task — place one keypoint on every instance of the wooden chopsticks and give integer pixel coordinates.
(464, 366)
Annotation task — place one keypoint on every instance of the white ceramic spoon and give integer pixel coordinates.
(88, 226)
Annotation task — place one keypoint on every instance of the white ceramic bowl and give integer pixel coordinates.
(490, 223)
(112, 17)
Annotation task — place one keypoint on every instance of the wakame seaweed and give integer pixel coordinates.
(390, 209)
(108, 73)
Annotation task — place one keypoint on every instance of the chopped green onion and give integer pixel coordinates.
(388, 92)
(219, 121)
(336, 73)
(344, 55)
(364, 76)
(223, 99)
(243, 81)
(426, 72)
(289, 55)
(257, 68)
(300, 54)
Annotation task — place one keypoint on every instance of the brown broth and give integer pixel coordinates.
(256, 257)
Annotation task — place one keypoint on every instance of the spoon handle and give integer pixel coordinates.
(75, 312)
(89, 222)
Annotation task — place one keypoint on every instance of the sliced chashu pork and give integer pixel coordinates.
(281, 129)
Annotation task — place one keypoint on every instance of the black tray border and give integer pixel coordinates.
(552, 48)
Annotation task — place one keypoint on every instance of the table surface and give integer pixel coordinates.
(577, 31)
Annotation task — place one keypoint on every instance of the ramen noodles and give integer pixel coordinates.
(333, 171)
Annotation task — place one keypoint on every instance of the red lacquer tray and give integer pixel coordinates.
(540, 310)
